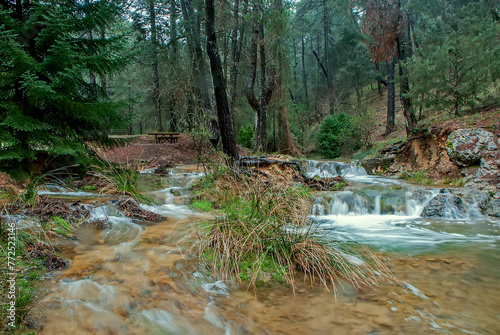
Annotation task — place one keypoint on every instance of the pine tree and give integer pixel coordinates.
(452, 72)
(49, 104)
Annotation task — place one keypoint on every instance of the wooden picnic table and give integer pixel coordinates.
(162, 137)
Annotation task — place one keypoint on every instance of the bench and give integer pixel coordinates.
(162, 137)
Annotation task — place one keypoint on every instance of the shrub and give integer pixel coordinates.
(245, 136)
(338, 136)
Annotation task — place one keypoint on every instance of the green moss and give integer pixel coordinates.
(449, 145)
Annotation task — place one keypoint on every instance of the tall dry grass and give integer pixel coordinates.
(264, 234)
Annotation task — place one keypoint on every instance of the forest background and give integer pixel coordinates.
(297, 75)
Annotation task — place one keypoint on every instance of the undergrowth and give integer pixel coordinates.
(32, 256)
(264, 234)
(120, 179)
(419, 177)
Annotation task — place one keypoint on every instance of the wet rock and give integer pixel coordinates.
(164, 169)
(468, 171)
(444, 205)
(493, 208)
(487, 176)
(133, 209)
(473, 196)
(466, 147)
(175, 192)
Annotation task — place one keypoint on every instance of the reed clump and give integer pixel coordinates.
(264, 234)
(119, 179)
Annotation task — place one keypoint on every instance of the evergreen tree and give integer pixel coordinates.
(49, 106)
(452, 72)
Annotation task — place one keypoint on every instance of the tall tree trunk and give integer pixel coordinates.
(304, 76)
(285, 136)
(235, 58)
(295, 65)
(194, 41)
(327, 55)
(405, 51)
(173, 27)
(92, 79)
(225, 123)
(261, 143)
(391, 96)
(379, 80)
(156, 79)
(174, 46)
(103, 78)
(259, 106)
(252, 100)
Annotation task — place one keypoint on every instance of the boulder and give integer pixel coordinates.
(444, 205)
(487, 176)
(467, 147)
(493, 208)
(474, 196)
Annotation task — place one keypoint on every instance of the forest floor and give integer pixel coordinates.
(487, 117)
(142, 150)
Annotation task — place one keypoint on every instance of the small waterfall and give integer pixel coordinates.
(321, 169)
(328, 169)
(376, 211)
(379, 203)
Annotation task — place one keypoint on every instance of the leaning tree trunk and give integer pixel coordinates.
(156, 79)
(225, 123)
(391, 96)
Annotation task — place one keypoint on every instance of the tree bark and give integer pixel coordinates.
(285, 136)
(327, 55)
(259, 106)
(235, 57)
(104, 84)
(261, 139)
(304, 76)
(252, 100)
(391, 96)
(199, 70)
(379, 80)
(173, 27)
(320, 64)
(156, 79)
(172, 124)
(225, 123)
(405, 51)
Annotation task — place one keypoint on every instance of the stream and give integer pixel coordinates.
(137, 279)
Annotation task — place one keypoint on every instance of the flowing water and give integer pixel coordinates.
(135, 279)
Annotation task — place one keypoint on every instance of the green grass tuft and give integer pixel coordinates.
(265, 235)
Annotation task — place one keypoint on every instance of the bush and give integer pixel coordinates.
(338, 136)
(245, 136)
